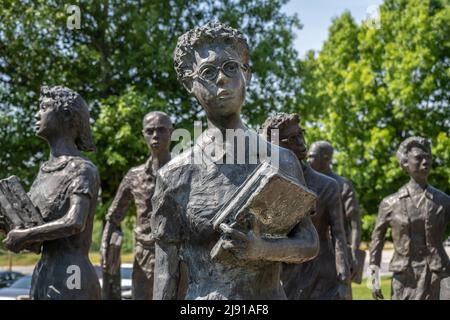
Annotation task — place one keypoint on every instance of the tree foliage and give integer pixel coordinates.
(370, 87)
(120, 61)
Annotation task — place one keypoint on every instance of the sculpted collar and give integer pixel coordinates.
(148, 166)
(404, 192)
(56, 165)
(216, 150)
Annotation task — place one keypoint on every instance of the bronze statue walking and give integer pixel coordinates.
(326, 277)
(418, 215)
(138, 186)
(320, 156)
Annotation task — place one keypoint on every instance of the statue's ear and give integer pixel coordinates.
(248, 75)
(404, 165)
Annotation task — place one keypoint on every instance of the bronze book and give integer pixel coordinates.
(16, 209)
(274, 199)
(269, 202)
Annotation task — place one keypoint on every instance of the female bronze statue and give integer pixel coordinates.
(65, 193)
(212, 63)
(418, 215)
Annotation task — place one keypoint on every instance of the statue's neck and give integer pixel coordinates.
(416, 185)
(159, 159)
(62, 146)
(222, 124)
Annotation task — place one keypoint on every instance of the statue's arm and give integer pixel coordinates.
(116, 213)
(336, 220)
(121, 203)
(301, 245)
(379, 232)
(73, 222)
(352, 212)
(167, 273)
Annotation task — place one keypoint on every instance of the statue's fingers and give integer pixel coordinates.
(233, 233)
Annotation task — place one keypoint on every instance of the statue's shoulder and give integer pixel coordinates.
(340, 179)
(83, 165)
(288, 161)
(137, 170)
(328, 181)
(388, 202)
(178, 164)
(438, 194)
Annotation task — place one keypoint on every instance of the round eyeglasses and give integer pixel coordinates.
(210, 72)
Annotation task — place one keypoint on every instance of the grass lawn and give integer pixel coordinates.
(362, 292)
(29, 259)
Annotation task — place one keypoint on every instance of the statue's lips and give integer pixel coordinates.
(37, 125)
(222, 95)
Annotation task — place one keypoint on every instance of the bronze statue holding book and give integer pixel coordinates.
(57, 215)
(231, 223)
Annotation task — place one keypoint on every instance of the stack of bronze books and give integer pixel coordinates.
(16, 209)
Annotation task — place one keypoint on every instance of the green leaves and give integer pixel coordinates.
(368, 89)
(121, 62)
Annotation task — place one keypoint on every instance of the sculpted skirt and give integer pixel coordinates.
(67, 276)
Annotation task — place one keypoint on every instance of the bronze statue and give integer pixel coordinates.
(224, 261)
(138, 186)
(320, 156)
(418, 215)
(327, 276)
(65, 193)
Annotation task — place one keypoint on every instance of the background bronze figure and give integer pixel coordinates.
(320, 156)
(418, 215)
(65, 193)
(212, 62)
(328, 275)
(138, 186)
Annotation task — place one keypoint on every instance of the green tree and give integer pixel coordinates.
(369, 88)
(120, 61)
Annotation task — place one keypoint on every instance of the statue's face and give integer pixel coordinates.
(48, 121)
(157, 131)
(418, 164)
(219, 80)
(293, 138)
(318, 160)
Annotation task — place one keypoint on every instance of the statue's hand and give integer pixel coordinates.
(244, 245)
(377, 294)
(374, 278)
(16, 240)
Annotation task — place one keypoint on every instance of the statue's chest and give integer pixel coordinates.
(210, 189)
(49, 194)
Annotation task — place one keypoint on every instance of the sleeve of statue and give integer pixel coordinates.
(16, 209)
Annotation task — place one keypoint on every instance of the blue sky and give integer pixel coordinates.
(316, 15)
